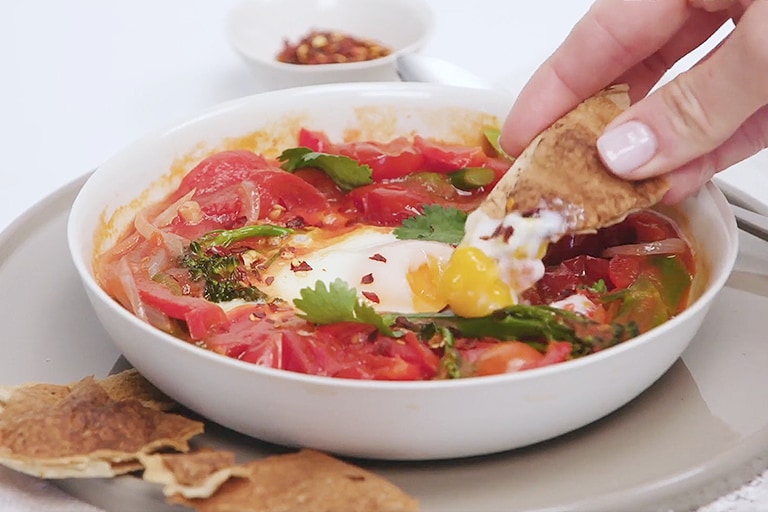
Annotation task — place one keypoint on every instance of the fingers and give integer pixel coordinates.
(698, 111)
(697, 29)
(712, 5)
(610, 39)
(751, 137)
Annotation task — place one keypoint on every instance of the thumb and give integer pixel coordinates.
(697, 111)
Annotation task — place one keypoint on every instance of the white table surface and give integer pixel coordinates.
(80, 79)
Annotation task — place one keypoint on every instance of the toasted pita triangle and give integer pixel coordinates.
(306, 481)
(191, 475)
(561, 170)
(82, 430)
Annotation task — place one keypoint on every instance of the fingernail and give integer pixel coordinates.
(627, 147)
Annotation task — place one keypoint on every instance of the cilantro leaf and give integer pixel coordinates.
(437, 223)
(337, 303)
(599, 287)
(346, 172)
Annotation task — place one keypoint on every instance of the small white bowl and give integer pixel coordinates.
(386, 420)
(257, 29)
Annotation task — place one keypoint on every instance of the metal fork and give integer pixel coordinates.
(748, 220)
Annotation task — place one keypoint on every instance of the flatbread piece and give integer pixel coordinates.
(191, 475)
(305, 481)
(561, 170)
(81, 430)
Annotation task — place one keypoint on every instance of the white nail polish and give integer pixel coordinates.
(627, 147)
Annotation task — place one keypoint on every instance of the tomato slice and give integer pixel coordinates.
(650, 227)
(296, 196)
(439, 157)
(507, 357)
(387, 160)
(202, 317)
(557, 352)
(315, 140)
(389, 204)
(563, 279)
(219, 171)
(322, 182)
(623, 270)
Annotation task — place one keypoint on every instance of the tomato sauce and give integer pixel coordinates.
(156, 270)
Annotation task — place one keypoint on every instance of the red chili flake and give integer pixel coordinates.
(367, 279)
(378, 257)
(269, 280)
(295, 223)
(301, 266)
(531, 213)
(331, 47)
(371, 297)
(257, 315)
(505, 232)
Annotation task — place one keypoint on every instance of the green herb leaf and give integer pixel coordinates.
(346, 172)
(337, 303)
(599, 287)
(437, 223)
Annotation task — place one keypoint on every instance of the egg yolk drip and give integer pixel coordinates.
(495, 263)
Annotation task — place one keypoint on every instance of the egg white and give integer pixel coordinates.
(369, 259)
(518, 257)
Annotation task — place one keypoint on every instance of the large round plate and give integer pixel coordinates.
(700, 431)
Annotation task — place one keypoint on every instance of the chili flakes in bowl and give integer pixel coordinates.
(330, 47)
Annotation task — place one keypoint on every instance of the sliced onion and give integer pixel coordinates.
(115, 253)
(157, 263)
(666, 246)
(173, 243)
(166, 216)
(159, 319)
(130, 289)
(251, 201)
(145, 228)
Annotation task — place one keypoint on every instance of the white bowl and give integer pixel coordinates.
(387, 420)
(257, 29)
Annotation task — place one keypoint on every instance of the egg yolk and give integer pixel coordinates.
(472, 284)
(424, 283)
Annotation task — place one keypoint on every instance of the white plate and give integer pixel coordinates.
(699, 432)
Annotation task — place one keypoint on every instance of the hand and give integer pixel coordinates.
(703, 121)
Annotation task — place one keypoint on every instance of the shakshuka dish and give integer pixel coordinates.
(355, 260)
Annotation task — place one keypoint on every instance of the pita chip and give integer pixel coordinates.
(306, 481)
(191, 475)
(81, 430)
(130, 384)
(561, 170)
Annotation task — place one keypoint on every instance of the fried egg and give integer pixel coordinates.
(389, 274)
